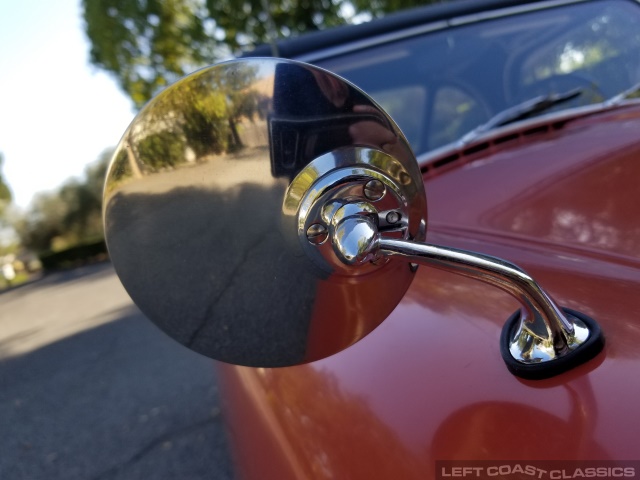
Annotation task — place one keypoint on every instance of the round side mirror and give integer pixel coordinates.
(268, 213)
(224, 194)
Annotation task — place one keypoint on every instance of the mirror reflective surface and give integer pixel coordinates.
(202, 205)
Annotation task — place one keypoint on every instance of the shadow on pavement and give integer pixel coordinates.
(118, 401)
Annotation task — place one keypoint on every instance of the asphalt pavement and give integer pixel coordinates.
(89, 389)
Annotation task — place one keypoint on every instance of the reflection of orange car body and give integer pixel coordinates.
(429, 383)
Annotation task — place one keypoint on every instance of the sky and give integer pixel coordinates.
(57, 113)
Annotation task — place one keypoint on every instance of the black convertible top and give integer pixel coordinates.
(292, 47)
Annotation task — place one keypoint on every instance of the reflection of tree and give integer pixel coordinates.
(122, 166)
(597, 54)
(200, 114)
(162, 149)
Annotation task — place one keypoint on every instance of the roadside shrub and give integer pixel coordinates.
(74, 256)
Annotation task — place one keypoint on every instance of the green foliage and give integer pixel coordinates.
(68, 216)
(7, 234)
(148, 44)
(123, 169)
(191, 121)
(379, 8)
(74, 256)
(42, 223)
(161, 150)
(244, 23)
(5, 193)
(197, 111)
(9, 247)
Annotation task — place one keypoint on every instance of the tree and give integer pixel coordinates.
(68, 216)
(7, 234)
(379, 8)
(5, 193)
(42, 223)
(245, 23)
(148, 44)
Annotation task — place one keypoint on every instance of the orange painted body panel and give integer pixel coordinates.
(429, 383)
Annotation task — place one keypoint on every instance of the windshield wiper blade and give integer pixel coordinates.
(522, 111)
(632, 92)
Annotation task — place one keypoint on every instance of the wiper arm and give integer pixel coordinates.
(627, 94)
(526, 109)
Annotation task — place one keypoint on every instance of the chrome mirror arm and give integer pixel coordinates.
(543, 319)
(539, 341)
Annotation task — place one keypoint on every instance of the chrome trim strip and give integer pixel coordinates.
(508, 11)
(431, 27)
(372, 42)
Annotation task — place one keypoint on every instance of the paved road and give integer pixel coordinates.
(89, 389)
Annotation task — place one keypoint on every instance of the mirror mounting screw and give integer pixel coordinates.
(317, 233)
(374, 190)
(393, 217)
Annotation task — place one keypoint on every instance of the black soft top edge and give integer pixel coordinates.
(292, 47)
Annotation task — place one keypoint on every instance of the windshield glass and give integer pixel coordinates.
(442, 84)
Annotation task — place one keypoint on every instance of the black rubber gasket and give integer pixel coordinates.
(538, 371)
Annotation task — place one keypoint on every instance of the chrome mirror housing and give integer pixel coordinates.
(267, 213)
(201, 211)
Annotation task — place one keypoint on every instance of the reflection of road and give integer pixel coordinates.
(201, 251)
(89, 389)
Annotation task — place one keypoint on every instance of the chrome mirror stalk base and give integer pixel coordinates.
(538, 341)
(572, 358)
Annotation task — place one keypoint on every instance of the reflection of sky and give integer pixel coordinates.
(57, 114)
